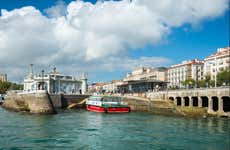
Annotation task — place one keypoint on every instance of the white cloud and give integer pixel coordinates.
(58, 10)
(176, 13)
(83, 34)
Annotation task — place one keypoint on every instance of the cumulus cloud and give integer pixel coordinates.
(177, 13)
(82, 34)
(57, 10)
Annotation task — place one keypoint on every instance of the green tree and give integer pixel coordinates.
(207, 78)
(4, 86)
(189, 82)
(15, 86)
(208, 81)
(223, 78)
(204, 83)
(201, 83)
(212, 83)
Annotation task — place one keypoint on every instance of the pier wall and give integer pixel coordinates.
(38, 102)
(137, 104)
(157, 106)
(214, 101)
(63, 100)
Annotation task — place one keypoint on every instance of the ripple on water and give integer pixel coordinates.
(87, 130)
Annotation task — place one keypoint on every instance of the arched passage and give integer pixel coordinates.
(186, 101)
(195, 101)
(178, 100)
(226, 103)
(215, 103)
(171, 98)
(204, 101)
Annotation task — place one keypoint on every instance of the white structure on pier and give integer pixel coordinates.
(55, 82)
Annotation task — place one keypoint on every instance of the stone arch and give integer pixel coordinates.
(178, 101)
(195, 101)
(204, 100)
(171, 98)
(186, 101)
(226, 103)
(215, 103)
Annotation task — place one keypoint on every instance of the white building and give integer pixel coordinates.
(192, 69)
(144, 73)
(55, 82)
(112, 86)
(96, 87)
(217, 62)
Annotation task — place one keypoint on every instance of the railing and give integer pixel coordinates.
(222, 87)
(200, 90)
(32, 91)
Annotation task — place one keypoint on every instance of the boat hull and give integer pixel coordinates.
(95, 108)
(107, 110)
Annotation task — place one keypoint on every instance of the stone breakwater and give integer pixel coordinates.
(164, 107)
(36, 103)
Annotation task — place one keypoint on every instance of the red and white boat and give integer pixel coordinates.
(106, 104)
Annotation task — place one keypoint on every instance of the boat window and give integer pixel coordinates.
(111, 99)
(95, 99)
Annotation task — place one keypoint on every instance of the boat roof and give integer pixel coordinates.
(105, 96)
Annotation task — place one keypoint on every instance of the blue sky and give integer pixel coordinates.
(187, 41)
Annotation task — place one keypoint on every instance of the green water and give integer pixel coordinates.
(82, 130)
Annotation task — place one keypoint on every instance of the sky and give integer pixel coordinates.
(107, 39)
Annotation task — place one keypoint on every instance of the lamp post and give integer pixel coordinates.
(43, 79)
(215, 72)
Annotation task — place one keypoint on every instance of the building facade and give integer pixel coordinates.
(144, 79)
(144, 73)
(96, 87)
(3, 77)
(112, 87)
(217, 62)
(192, 69)
(55, 82)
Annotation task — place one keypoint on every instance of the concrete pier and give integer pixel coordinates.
(35, 102)
(199, 102)
(64, 100)
(216, 101)
(40, 101)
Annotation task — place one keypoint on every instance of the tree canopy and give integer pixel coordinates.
(189, 82)
(4, 86)
(223, 78)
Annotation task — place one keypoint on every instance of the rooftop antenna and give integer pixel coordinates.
(31, 70)
(54, 69)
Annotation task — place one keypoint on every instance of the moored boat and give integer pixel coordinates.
(106, 104)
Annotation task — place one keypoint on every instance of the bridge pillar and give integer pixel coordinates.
(210, 105)
(182, 101)
(199, 101)
(190, 101)
(220, 105)
(175, 101)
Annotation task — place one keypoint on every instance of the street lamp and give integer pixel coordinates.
(43, 79)
(215, 72)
